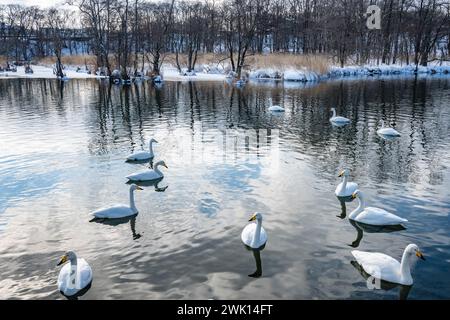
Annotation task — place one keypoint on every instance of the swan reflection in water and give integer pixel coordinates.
(150, 183)
(119, 221)
(374, 283)
(362, 227)
(257, 256)
(343, 200)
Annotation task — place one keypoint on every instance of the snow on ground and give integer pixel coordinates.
(44, 72)
(209, 73)
(171, 74)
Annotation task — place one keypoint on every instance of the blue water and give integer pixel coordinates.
(62, 152)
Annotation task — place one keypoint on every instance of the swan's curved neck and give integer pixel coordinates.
(157, 168)
(382, 123)
(360, 207)
(405, 266)
(73, 271)
(334, 112)
(150, 146)
(132, 205)
(256, 236)
(344, 182)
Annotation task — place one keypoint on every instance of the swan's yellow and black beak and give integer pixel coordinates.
(253, 218)
(139, 188)
(165, 165)
(341, 173)
(354, 195)
(64, 259)
(419, 255)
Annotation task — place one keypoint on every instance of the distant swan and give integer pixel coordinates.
(345, 188)
(74, 276)
(121, 210)
(386, 268)
(143, 155)
(254, 234)
(275, 108)
(386, 131)
(149, 174)
(372, 215)
(338, 120)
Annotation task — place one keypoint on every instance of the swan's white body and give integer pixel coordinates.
(120, 210)
(372, 215)
(386, 131)
(345, 188)
(143, 155)
(147, 175)
(386, 268)
(275, 108)
(74, 276)
(338, 119)
(254, 234)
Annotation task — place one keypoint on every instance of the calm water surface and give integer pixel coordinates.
(62, 152)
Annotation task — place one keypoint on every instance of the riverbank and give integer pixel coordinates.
(206, 72)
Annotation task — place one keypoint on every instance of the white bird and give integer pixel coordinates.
(254, 234)
(275, 108)
(143, 155)
(149, 174)
(345, 188)
(120, 210)
(386, 131)
(338, 120)
(74, 276)
(372, 215)
(384, 267)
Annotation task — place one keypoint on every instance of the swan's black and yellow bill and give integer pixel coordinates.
(165, 165)
(253, 218)
(139, 188)
(354, 195)
(420, 255)
(64, 259)
(341, 173)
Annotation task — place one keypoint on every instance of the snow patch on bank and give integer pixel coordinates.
(45, 72)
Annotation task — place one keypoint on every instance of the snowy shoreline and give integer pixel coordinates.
(268, 74)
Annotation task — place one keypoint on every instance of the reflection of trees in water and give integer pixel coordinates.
(121, 115)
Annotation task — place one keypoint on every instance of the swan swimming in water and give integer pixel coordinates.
(338, 120)
(150, 174)
(372, 215)
(345, 188)
(120, 210)
(75, 276)
(143, 155)
(384, 267)
(254, 234)
(275, 108)
(387, 131)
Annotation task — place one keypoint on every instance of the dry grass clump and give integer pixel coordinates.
(76, 60)
(2, 60)
(283, 61)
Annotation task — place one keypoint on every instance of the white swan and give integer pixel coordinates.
(143, 155)
(386, 131)
(338, 120)
(120, 210)
(148, 175)
(345, 188)
(254, 234)
(386, 268)
(372, 215)
(275, 108)
(74, 276)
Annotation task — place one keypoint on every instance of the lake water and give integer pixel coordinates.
(62, 152)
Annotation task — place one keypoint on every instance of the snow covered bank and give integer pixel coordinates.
(44, 72)
(210, 73)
